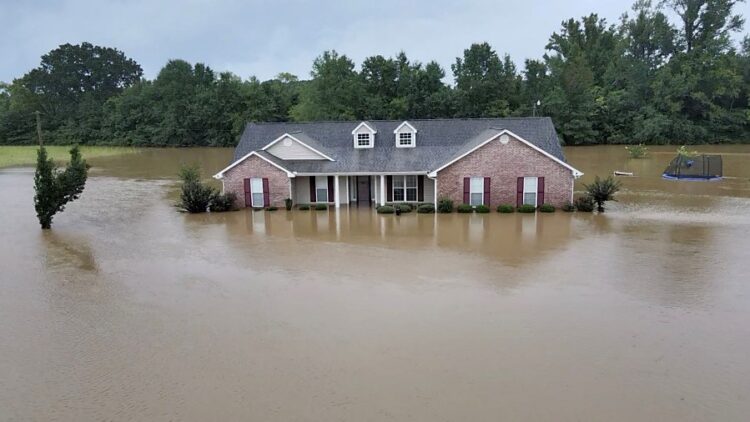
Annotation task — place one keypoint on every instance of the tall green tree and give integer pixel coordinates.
(334, 93)
(486, 86)
(55, 189)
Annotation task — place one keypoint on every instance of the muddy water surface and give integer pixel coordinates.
(127, 310)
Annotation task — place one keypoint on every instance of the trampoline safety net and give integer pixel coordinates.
(701, 167)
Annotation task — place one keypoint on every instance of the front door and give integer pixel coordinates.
(363, 190)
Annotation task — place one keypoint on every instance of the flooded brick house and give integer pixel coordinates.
(474, 161)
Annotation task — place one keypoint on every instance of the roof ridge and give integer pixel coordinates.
(307, 122)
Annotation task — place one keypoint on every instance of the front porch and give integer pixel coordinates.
(362, 190)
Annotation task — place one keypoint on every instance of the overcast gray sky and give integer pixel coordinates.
(264, 38)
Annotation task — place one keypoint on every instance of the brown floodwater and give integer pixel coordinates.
(128, 310)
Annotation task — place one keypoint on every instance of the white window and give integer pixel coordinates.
(256, 189)
(363, 139)
(529, 190)
(405, 188)
(476, 191)
(321, 188)
(405, 139)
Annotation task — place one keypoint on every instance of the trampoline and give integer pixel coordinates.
(701, 167)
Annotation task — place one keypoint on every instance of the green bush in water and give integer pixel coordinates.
(584, 204)
(304, 207)
(321, 207)
(465, 208)
(526, 208)
(385, 209)
(482, 209)
(445, 206)
(223, 202)
(426, 209)
(506, 208)
(546, 208)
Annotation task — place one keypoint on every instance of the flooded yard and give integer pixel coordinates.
(128, 310)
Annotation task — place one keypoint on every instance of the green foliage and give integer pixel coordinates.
(304, 207)
(223, 202)
(426, 209)
(445, 205)
(288, 203)
(637, 151)
(53, 189)
(385, 209)
(546, 208)
(506, 208)
(685, 153)
(321, 207)
(195, 197)
(272, 208)
(482, 209)
(526, 209)
(403, 207)
(584, 203)
(667, 71)
(602, 190)
(465, 208)
(568, 207)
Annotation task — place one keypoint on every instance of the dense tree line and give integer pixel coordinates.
(644, 79)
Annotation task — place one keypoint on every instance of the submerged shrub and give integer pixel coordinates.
(304, 207)
(426, 209)
(272, 208)
(546, 208)
(385, 209)
(195, 197)
(637, 151)
(223, 202)
(482, 209)
(584, 203)
(526, 208)
(506, 208)
(404, 208)
(568, 207)
(445, 205)
(321, 207)
(465, 208)
(603, 190)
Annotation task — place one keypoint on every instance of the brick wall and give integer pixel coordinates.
(278, 181)
(504, 164)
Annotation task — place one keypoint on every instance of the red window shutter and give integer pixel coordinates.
(519, 191)
(248, 194)
(540, 191)
(312, 189)
(266, 193)
(330, 189)
(420, 188)
(389, 188)
(467, 189)
(487, 191)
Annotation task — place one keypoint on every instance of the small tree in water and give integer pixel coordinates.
(602, 191)
(195, 196)
(54, 189)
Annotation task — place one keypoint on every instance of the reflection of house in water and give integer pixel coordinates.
(513, 238)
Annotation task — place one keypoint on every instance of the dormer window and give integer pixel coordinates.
(405, 139)
(363, 140)
(364, 135)
(406, 135)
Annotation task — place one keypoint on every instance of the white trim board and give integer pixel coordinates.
(576, 173)
(366, 125)
(413, 129)
(286, 135)
(220, 175)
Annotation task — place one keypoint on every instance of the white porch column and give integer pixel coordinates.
(336, 199)
(436, 194)
(382, 189)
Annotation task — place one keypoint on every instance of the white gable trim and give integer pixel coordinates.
(366, 125)
(413, 129)
(220, 175)
(576, 173)
(286, 135)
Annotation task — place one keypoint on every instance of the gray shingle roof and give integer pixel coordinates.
(438, 142)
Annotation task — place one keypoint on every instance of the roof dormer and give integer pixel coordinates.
(406, 135)
(364, 135)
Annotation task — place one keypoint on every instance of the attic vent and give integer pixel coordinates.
(287, 142)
